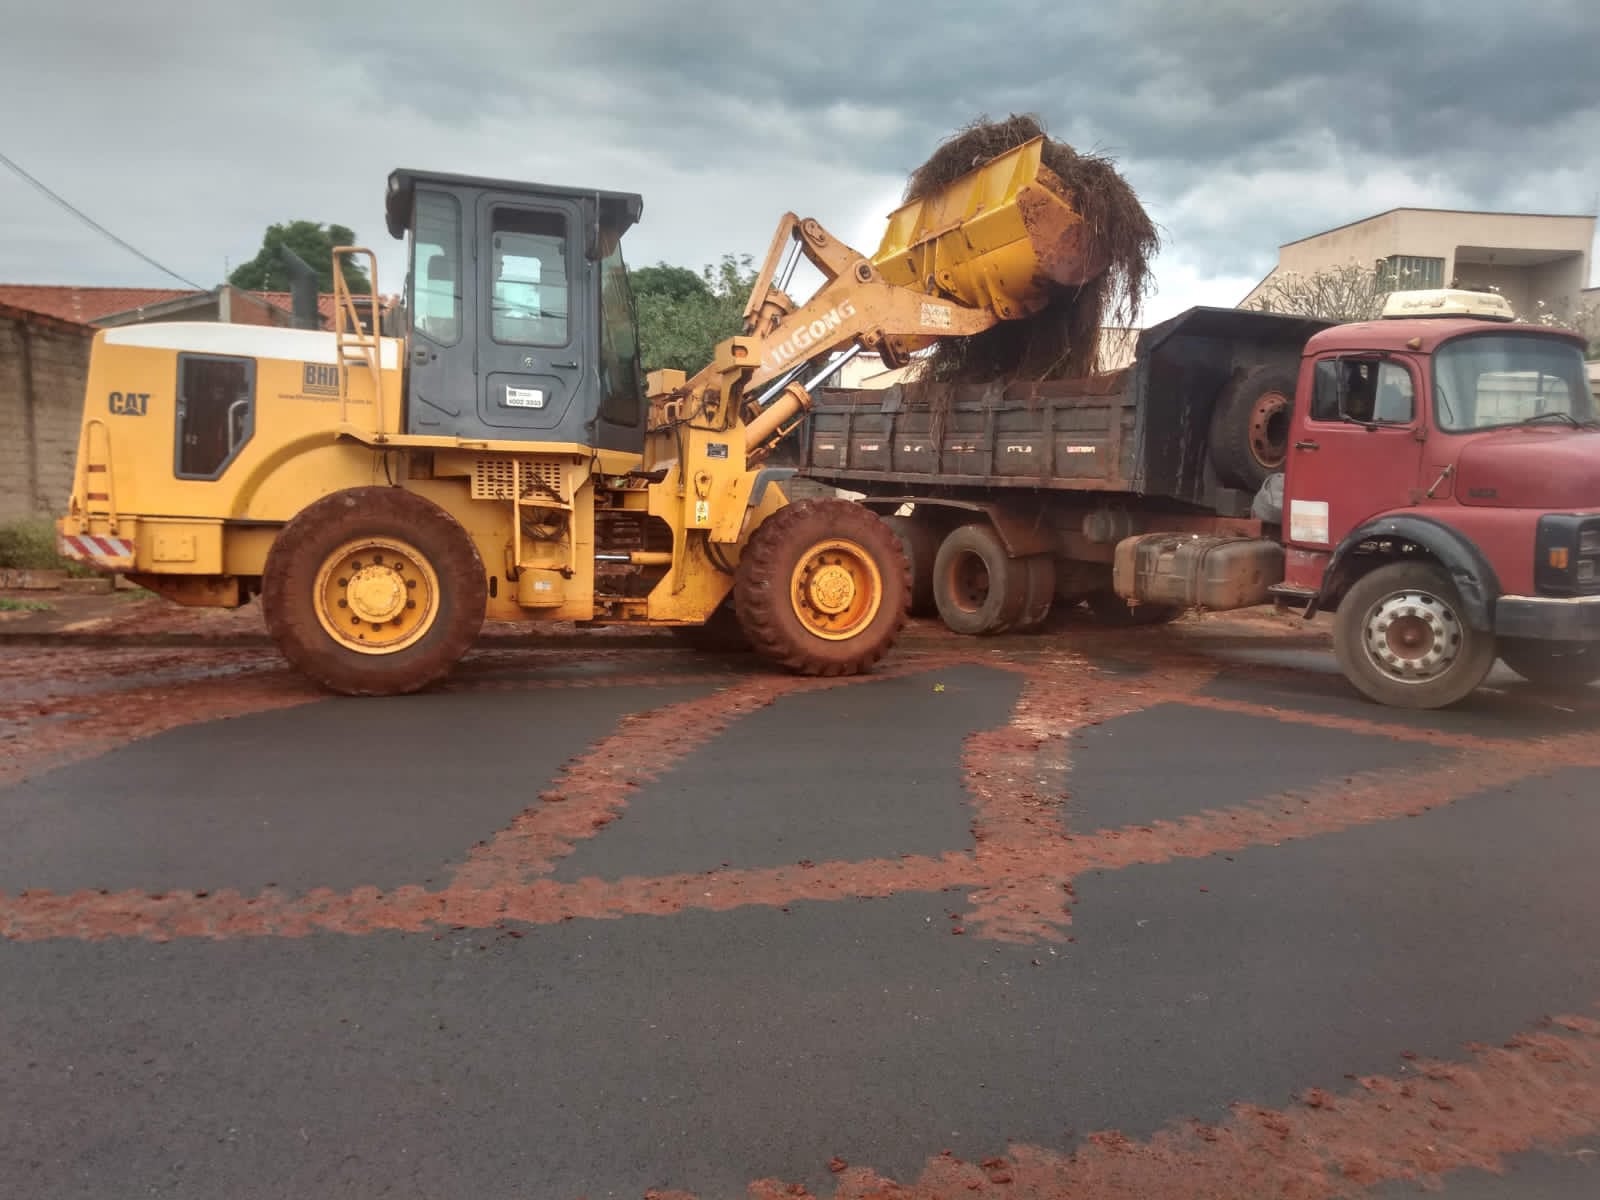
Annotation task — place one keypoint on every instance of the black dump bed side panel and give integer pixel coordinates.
(1143, 430)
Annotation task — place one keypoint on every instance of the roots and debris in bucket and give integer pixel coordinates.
(1060, 341)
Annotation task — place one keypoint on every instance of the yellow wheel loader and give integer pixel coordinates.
(501, 456)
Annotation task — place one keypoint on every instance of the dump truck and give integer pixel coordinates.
(494, 453)
(1431, 478)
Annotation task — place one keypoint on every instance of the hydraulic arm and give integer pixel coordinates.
(989, 247)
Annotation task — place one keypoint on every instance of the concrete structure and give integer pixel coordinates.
(1527, 258)
(44, 364)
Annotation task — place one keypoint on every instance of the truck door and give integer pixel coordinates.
(1358, 450)
(535, 333)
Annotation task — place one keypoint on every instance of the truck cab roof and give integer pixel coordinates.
(1421, 334)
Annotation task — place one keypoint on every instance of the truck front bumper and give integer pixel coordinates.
(1548, 618)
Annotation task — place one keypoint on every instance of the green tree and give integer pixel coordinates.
(682, 315)
(314, 243)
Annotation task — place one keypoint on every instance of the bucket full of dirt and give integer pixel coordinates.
(1061, 340)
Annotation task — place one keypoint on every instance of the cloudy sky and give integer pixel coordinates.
(188, 128)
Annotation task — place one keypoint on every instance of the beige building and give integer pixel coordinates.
(1527, 258)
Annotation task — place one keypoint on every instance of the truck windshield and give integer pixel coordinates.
(1490, 381)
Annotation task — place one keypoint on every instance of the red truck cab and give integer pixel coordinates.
(1442, 495)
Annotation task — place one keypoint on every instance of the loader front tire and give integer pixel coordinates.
(374, 591)
(822, 588)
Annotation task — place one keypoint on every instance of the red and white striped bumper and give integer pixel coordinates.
(108, 553)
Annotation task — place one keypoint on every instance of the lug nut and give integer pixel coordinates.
(344, 583)
(344, 603)
(411, 603)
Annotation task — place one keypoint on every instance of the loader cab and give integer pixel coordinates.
(519, 323)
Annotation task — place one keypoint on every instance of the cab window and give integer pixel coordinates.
(1365, 390)
(436, 268)
(528, 277)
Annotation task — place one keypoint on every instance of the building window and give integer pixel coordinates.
(528, 278)
(216, 412)
(1405, 273)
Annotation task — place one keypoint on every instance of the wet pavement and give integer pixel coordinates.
(1166, 913)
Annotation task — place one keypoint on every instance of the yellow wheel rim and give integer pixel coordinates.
(376, 595)
(836, 589)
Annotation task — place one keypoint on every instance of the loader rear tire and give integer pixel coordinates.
(374, 591)
(979, 588)
(822, 588)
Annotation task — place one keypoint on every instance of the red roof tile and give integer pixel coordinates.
(83, 305)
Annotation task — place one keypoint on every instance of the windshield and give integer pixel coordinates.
(1493, 380)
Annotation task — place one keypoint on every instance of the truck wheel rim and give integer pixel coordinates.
(1269, 429)
(836, 589)
(376, 595)
(1413, 637)
(968, 581)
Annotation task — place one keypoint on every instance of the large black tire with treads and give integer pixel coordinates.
(1250, 426)
(1556, 665)
(919, 541)
(374, 591)
(978, 588)
(1402, 638)
(822, 588)
(1041, 592)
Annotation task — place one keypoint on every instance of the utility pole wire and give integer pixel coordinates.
(92, 223)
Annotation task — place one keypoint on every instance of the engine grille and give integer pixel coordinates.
(503, 478)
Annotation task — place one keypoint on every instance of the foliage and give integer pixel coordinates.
(30, 546)
(682, 315)
(1348, 293)
(1585, 319)
(314, 244)
(7, 604)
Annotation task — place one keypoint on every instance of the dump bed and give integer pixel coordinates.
(1143, 430)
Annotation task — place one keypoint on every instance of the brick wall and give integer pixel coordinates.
(39, 426)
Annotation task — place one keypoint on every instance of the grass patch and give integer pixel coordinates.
(30, 545)
(7, 604)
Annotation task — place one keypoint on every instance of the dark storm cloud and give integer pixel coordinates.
(1242, 124)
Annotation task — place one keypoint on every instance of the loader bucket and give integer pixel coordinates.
(999, 237)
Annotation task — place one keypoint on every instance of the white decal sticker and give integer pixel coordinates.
(1081, 449)
(937, 316)
(524, 398)
(1308, 521)
(702, 512)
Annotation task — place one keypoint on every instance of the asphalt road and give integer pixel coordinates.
(1160, 914)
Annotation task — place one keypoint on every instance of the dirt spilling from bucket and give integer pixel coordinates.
(1061, 340)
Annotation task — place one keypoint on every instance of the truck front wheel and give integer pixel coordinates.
(1556, 665)
(1402, 639)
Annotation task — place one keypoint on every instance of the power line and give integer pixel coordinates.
(93, 224)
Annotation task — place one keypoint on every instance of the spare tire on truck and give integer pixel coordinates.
(1250, 426)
